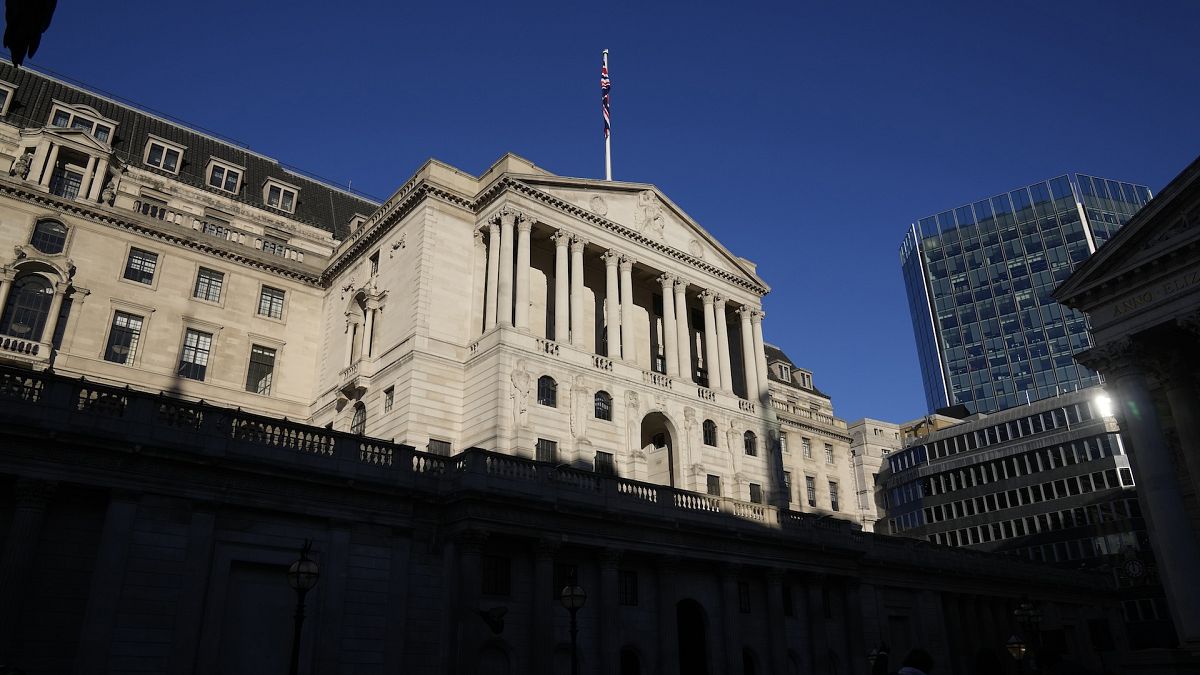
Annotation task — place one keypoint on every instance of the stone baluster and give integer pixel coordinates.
(577, 335)
(493, 274)
(749, 362)
(504, 289)
(562, 320)
(722, 345)
(670, 333)
(760, 354)
(712, 362)
(685, 333)
(613, 303)
(524, 225)
(628, 348)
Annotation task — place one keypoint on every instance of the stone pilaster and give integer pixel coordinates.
(20, 549)
(776, 622)
(545, 600)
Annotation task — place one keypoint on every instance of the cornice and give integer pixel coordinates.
(79, 210)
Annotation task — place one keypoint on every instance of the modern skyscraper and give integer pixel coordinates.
(979, 278)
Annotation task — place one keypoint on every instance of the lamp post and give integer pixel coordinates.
(1029, 617)
(573, 598)
(301, 576)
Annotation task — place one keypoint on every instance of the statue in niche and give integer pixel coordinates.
(689, 426)
(521, 380)
(647, 216)
(632, 420)
(734, 437)
(579, 407)
(21, 166)
(109, 193)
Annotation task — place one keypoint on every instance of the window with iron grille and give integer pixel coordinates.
(439, 447)
(270, 302)
(496, 575)
(547, 391)
(714, 485)
(193, 361)
(604, 463)
(710, 432)
(358, 424)
(123, 338)
(756, 494)
(140, 266)
(389, 397)
(743, 597)
(547, 450)
(603, 406)
(627, 587)
(208, 285)
(261, 371)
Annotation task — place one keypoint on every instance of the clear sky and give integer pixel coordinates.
(805, 136)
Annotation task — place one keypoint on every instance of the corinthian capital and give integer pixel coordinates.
(681, 284)
(524, 221)
(578, 243)
(667, 281)
(707, 296)
(627, 261)
(506, 216)
(745, 312)
(610, 258)
(560, 238)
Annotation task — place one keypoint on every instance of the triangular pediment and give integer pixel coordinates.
(643, 209)
(1169, 222)
(78, 137)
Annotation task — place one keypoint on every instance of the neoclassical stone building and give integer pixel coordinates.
(465, 397)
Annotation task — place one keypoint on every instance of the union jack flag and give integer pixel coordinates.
(605, 86)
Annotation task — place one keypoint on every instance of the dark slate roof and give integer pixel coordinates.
(318, 204)
(774, 354)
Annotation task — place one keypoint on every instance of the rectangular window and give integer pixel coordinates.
(604, 463)
(828, 454)
(714, 485)
(806, 446)
(439, 447)
(224, 177)
(270, 302)
(374, 259)
(65, 183)
(787, 486)
(496, 575)
(810, 486)
(208, 285)
(547, 451)
(262, 370)
(123, 338)
(627, 588)
(389, 397)
(783, 446)
(280, 197)
(274, 246)
(743, 597)
(193, 361)
(833, 495)
(756, 494)
(140, 266)
(162, 156)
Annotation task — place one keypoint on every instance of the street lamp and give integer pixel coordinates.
(573, 598)
(1029, 618)
(878, 658)
(301, 576)
(1016, 647)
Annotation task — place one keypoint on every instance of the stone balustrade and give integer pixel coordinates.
(38, 404)
(218, 230)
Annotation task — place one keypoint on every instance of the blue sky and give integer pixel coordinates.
(805, 136)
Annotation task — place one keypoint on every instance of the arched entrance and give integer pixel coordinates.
(657, 443)
(693, 643)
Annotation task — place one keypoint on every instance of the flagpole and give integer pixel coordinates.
(607, 131)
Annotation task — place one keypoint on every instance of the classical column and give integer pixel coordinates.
(723, 344)
(628, 348)
(6, 281)
(468, 545)
(730, 622)
(60, 291)
(493, 273)
(20, 550)
(524, 225)
(749, 362)
(504, 288)
(760, 354)
(670, 332)
(50, 162)
(1175, 546)
(368, 337)
(856, 643)
(577, 336)
(545, 600)
(712, 362)
(351, 329)
(38, 165)
(668, 635)
(1174, 368)
(685, 334)
(776, 622)
(479, 283)
(609, 628)
(612, 303)
(562, 320)
(818, 636)
(93, 194)
(85, 186)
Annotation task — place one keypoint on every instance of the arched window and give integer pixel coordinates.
(547, 391)
(358, 425)
(49, 236)
(27, 308)
(710, 433)
(603, 406)
(751, 444)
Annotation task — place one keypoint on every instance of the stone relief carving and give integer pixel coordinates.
(579, 407)
(398, 244)
(109, 193)
(598, 206)
(696, 249)
(521, 380)
(21, 166)
(633, 421)
(648, 217)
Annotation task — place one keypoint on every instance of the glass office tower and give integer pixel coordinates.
(979, 279)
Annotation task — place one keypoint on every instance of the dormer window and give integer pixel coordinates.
(82, 118)
(7, 91)
(225, 176)
(785, 373)
(279, 195)
(162, 154)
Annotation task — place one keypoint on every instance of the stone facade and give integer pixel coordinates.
(873, 441)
